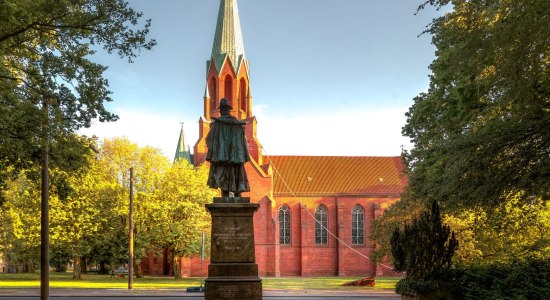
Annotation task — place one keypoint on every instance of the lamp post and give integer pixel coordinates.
(44, 205)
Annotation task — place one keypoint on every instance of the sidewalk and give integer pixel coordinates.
(183, 293)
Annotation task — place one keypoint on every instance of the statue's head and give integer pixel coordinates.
(224, 107)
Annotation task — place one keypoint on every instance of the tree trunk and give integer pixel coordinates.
(177, 271)
(76, 267)
(138, 272)
(84, 265)
(28, 267)
(102, 268)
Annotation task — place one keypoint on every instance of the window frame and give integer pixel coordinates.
(321, 226)
(285, 227)
(358, 226)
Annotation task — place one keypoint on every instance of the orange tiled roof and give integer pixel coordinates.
(337, 175)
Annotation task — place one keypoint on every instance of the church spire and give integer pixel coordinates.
(182, 152)
(228, 40)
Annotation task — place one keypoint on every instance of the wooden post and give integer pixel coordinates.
(202, 256)
(131, 234)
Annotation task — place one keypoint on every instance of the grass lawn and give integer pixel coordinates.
(94, 281)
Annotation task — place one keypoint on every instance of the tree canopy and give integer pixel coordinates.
(482, 130)
(45, 52)
(89, 209)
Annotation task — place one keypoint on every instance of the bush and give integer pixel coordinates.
(59, 259)
(412, 286)
(528, 279)
(424, 249)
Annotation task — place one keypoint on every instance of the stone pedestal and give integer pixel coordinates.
(233, 272)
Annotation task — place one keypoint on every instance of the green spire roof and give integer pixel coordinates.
(182, 152)
(228, 41)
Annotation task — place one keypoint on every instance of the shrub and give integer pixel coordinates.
(527, 279)
(59, 259)
(424, 248)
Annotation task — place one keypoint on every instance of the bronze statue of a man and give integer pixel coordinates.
(227, 153)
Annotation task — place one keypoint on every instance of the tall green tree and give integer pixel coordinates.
(45, 54)
(20, 222)
(482, 130)
(183, 217)
(512, 231)
(116, 157)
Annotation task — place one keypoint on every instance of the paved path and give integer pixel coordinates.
(119, 294)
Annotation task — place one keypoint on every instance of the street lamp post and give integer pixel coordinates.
(44, 205)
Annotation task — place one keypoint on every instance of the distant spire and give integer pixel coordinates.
(228, 40)
(181, 151)
(206, 92)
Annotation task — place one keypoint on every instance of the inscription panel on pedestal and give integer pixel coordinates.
(232, 240)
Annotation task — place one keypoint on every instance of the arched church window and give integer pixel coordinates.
(212, 91)
(284, 225)
(321, 225)
(229, 89)
(357, 225)
(243, 94)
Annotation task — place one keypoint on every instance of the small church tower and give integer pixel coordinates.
(227, 76)
(182, 150)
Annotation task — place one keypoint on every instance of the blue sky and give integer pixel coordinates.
(328, 77)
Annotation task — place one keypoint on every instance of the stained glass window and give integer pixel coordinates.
(357, 225)
(284, 225)
(321, 225)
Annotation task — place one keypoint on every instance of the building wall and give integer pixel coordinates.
(305, 258)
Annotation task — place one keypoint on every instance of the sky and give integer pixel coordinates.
(328, 77)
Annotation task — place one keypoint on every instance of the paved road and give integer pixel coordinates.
(202, 298)
(173, 294)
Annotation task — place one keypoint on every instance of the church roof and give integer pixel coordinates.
(338, 176)
(228, 40)
(182, 152)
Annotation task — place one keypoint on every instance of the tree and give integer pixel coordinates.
(20, 222)
(76, 218)
(424, 249)
(88, 207)
(400, 213)
(512, 231)
(181, 197)
(115, 158)
(482, 130)
(45, 48)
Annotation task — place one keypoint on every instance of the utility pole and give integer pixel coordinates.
(44, 206)
(202, 257)
(131, 234)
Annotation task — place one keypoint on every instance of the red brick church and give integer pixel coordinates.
(315, 211)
